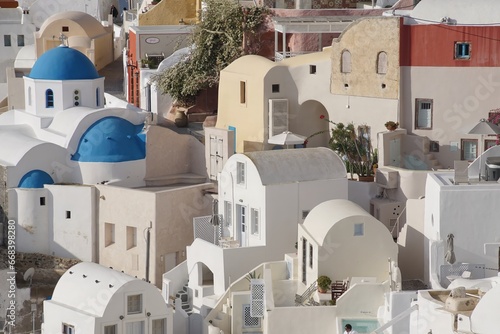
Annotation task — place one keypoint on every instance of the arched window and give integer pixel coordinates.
(345, 63)
(49, 98)
(97, 97)
(382, 63)
(29, 96)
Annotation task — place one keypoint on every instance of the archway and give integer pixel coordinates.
(307, 121)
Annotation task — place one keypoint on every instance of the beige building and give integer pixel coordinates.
(170, 12)
(82, 32)
(174, 193)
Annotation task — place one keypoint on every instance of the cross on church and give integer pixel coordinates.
(63, 38)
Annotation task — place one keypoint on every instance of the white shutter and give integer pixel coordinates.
(278, 116)
(257, 298)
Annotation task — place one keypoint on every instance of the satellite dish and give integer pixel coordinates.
(28, 275)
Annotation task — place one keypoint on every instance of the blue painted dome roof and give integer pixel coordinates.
(35, 179)
(63, 63)
(111, 139)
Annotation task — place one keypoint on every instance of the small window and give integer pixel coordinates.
(159, 326)
(433, 146)
(134, 304)
(423, 114)
(359, 229)
(345, 63)
(6, 40)
(276, 88)
(240, 172)
(462, 50)
(254, 216)
(68, 329)
(468, 149)
(68, 214)
(42, 201)
(382, 63)
(311, 255)
(312, 69)
(97, 93)
(110, 329)
(242, 92)
(109, 234)
(20, 40)
(49, 98)
(134, 327)
(131, 237)
(65, 28)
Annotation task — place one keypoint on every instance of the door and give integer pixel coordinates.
(216, 156)
(242, 224)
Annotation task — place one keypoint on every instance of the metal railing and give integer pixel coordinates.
(300, 299)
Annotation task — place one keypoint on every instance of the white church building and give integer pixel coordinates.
(63, 139)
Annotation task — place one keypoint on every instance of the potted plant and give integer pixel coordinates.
(324, 283)
(391, 126)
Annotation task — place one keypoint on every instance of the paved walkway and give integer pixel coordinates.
(113, 82)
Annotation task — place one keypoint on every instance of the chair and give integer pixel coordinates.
(461, 171)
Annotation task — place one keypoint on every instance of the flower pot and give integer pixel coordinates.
(391, 128)
(180, 119)
(369, 178)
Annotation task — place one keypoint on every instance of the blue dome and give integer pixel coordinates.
(35, 179)
(111, 139)
(63, 63)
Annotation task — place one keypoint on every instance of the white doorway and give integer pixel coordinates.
(241, 224)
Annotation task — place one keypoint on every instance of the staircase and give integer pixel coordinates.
(306, 298)
(184, 297)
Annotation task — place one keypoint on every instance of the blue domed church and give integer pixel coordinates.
(65, 140)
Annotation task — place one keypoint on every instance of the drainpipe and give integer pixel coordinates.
(148, 239)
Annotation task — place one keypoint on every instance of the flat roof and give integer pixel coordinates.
(313, 24)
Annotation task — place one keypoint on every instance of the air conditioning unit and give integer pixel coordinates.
(386, 178)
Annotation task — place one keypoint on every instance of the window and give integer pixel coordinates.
(462, 50)
(242, 92)
(111, 329)
(468, 149)
(433, 146)
(42, 201)
(159, 326)
(382, 63)
(248, 320)
(20, 40)
(68, 329)
(6, 40)
(68, 214)
(312, 69)
(134, 327)
(276, 88)
(345, 63)
(134, 304)
(311, 255)
(423, 114)
(65, 28)
(359, 229)
(97, 97)
(489, 143)
(254, 216)
(240, 172)
(109, 234)
(49, 98)
(304, 260)
(131, 237)
(228, 213)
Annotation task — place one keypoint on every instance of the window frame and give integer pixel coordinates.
(129, 302)
(243, 92)
(462, 142)
(7, 40)
(254, 222)
(418, 109)
(458, 52)
(20, 40)
(359, 229)
(275, 88)
(240, 173)
(49, 98)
